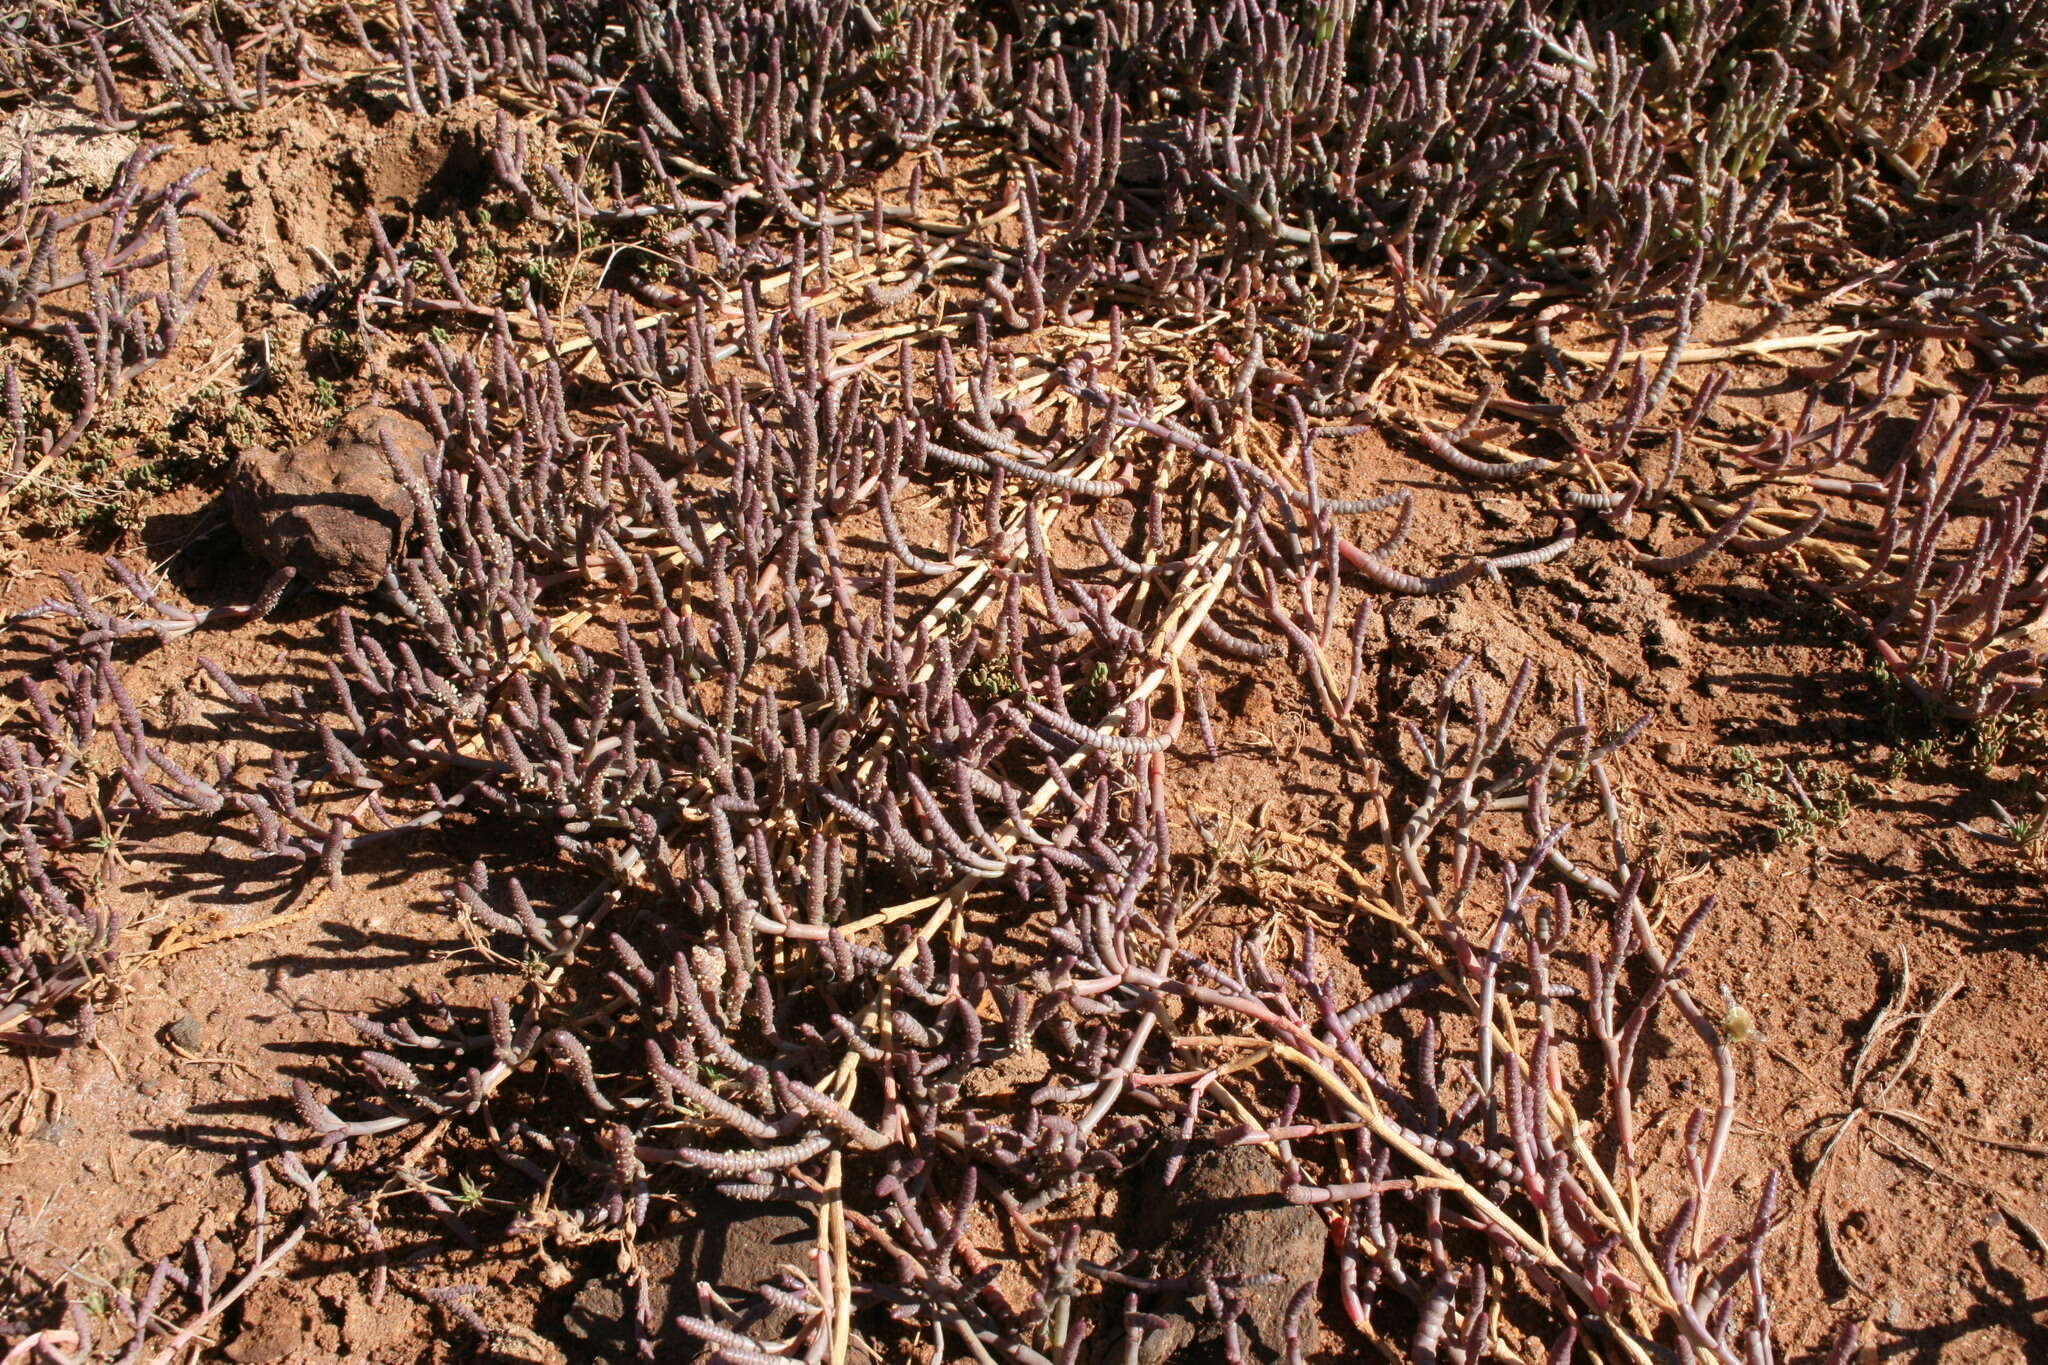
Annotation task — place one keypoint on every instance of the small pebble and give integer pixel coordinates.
(1504, 511)
(186, 1034)
(54, 1130)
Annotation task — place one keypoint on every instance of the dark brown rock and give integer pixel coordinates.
(731, 1246)
(331, 507)
(1224, 1209)
(188, 1033)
